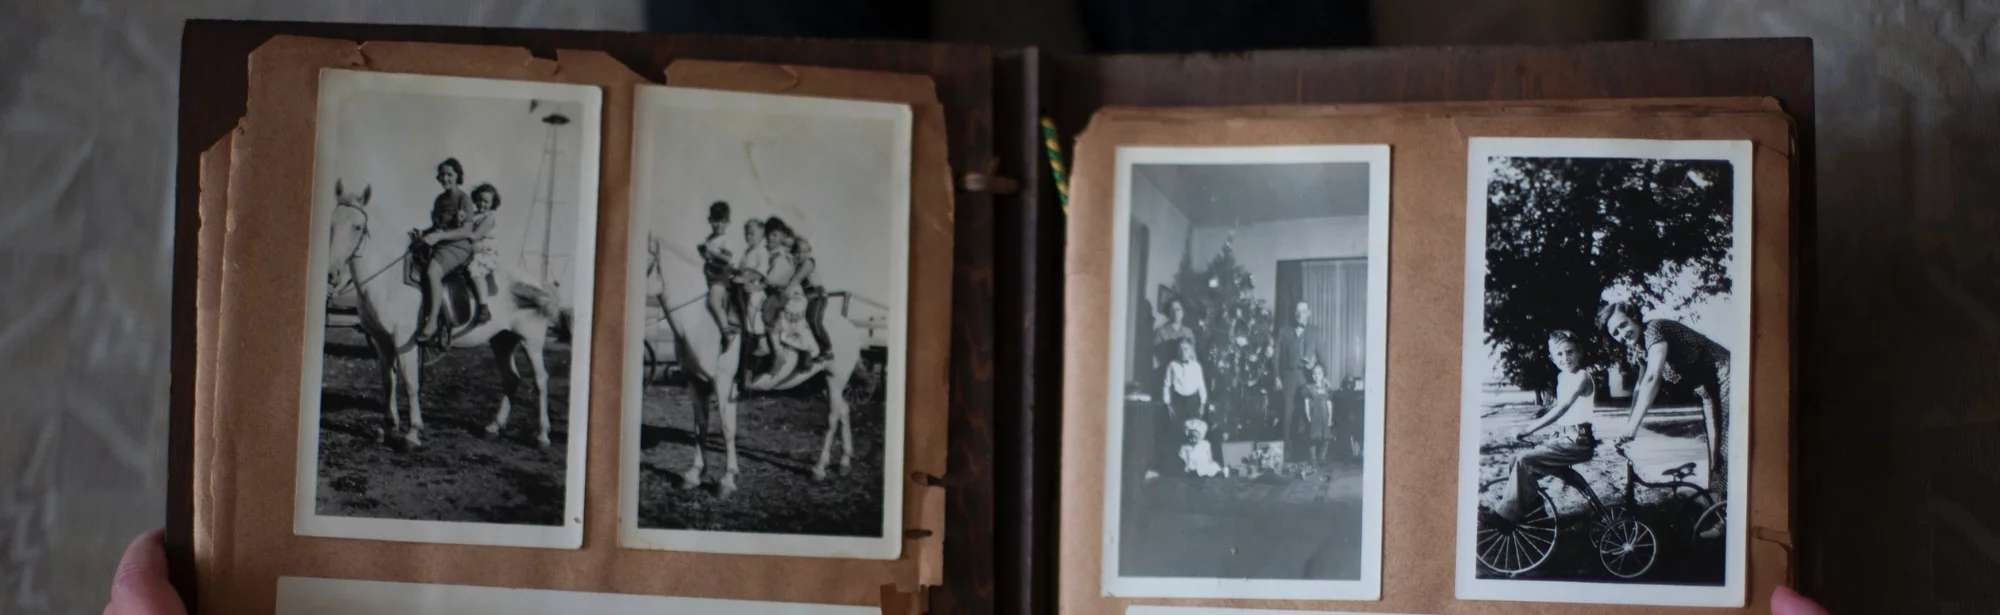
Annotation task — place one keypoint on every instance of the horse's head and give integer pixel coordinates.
(345, 236)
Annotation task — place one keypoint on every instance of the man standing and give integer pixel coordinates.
(1298, 351)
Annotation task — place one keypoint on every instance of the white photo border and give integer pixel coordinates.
(889, 545)
(319, 596)
(1369, 585)
(1732, 592)
(336, 85)
(1147, 609)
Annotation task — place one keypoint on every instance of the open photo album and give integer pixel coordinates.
(542, 322)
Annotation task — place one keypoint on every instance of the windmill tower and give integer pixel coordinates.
(546, 196)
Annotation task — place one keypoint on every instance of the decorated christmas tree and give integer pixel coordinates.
(1233, 333)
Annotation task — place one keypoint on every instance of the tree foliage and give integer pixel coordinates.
(1560, 231)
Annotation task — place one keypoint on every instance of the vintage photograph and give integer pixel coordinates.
(447, 346)
(1607, 338)
(770, 271)
(1245, 436)
(316, 596)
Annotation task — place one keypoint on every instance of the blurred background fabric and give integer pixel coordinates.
(1909, 190)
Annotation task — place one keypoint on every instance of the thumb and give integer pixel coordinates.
(140, 587)
(1784, 601)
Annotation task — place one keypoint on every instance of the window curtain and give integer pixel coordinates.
(1337, 292)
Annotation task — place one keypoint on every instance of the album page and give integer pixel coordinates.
(1429, 358)
(516, 171)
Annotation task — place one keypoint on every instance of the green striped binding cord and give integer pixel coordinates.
(1054, 150)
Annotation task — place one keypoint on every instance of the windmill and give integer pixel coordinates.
(546, 177)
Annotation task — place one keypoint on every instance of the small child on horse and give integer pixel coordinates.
(716, 268)
(485, 258)
(807, 279)
(783, 281)
(750, 278)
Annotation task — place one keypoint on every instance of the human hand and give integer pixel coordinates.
(140, 586)
(1784, 601)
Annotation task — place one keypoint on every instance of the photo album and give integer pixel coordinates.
(567, 322)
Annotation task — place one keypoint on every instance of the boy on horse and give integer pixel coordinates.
(716, 268)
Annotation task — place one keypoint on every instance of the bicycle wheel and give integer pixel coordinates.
(1514, 547)
(1627, 548)
(1711, 527)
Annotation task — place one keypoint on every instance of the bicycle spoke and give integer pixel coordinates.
(1487, 537)
(1491, 547)
(1540, 545)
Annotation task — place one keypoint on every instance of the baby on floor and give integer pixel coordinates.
(1197, 457)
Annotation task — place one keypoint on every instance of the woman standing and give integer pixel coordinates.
(1673, 352)
(1167, 337)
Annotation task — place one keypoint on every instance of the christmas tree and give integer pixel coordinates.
(1234, 337)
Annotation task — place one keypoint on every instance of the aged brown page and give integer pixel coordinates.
(1427, 242)
(246, 423)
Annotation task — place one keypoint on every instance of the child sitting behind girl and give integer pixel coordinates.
(485, 259)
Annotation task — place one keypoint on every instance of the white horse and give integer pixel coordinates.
(714, 366)
(390, 308)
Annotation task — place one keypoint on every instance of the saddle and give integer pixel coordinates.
(738, 300)
(465, 299)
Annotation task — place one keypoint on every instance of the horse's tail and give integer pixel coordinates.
(530, 296)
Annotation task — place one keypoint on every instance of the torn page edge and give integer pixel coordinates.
(925, 539)
(211, 205)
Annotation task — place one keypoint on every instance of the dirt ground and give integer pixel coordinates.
(459, 474)
(1671, 436)
(778, 442)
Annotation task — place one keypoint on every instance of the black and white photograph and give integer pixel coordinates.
(447, 348)
(1607, 338)
(318, 596)
(1244, 441)
(765, 352)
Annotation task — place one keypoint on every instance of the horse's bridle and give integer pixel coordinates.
(353, 282)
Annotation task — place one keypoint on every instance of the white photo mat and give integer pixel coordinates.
(1142, 609)
(655, 104)
(1369, 585)
(337, 87)
(316, 596)
(1732, 592)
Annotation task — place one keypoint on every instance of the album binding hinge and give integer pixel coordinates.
(990, 184)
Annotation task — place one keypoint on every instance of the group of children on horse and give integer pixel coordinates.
(772, 287)
(773, 277)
